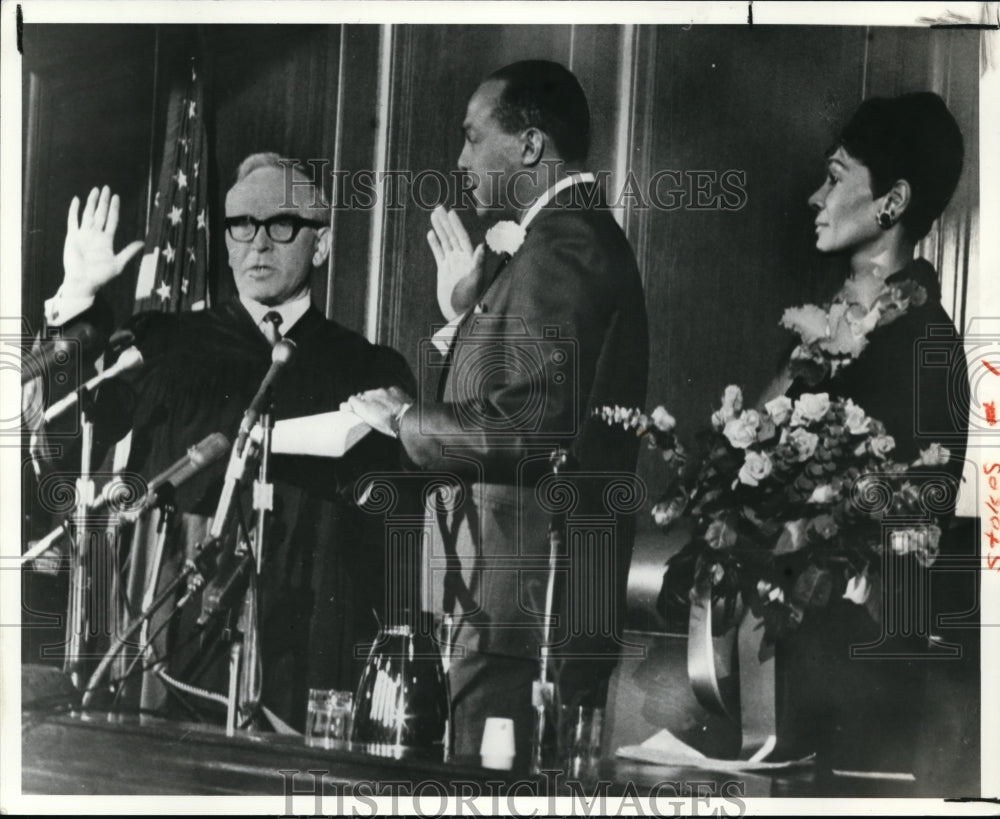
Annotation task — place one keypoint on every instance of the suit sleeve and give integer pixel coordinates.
(522, 385)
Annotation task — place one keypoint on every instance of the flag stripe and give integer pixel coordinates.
(175, 269)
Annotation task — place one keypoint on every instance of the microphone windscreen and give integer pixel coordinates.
(130, 359)
(86, 334)
(283, 351)
(121, 340)
(211, 448)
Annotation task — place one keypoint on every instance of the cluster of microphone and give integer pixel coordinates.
(198, 457)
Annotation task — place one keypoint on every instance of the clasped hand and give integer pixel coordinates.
(89, 260)
(380, 408)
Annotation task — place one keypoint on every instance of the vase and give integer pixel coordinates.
(834, 687)
(848, 694)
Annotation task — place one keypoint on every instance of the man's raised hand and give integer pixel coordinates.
(89, 260)
(459, 267)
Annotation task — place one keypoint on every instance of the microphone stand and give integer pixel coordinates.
(165, 509)
(77, 622)
(543, 690)
(202, 566)
(249, 670)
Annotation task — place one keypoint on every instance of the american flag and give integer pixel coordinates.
(173, 276)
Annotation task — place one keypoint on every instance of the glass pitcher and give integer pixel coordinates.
(402, 706)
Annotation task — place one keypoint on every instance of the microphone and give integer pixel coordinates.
(203, 454)
(54, 352)
(281, 354)
(228, 569)
(130, 359)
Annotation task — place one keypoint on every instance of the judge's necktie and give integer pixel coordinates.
(269, 326)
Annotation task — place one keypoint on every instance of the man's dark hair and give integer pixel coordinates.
(545, 95)
(912, 137)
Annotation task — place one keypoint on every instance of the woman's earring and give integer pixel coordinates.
(885, 219)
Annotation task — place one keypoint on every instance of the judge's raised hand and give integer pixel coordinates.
(459, 267)
(89, 260)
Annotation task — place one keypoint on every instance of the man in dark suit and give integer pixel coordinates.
(323, 569)
(558, 329)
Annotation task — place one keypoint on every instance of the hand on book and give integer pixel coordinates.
(382, 409)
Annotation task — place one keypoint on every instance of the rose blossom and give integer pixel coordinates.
(881, 445)
(803, 442)
(668, 511)
(739, 433)
(732, 403)
(780, 409)
(662, 419)
(732, 398)
(751, 418)
(934, 455)
(855, 419)
(810, 407)
(823, 494)
(756, 467)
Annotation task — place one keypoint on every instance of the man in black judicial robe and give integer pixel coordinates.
(323, 572)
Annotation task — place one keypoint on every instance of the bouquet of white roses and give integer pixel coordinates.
(792, 506)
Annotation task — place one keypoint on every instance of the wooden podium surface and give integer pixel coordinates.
(99, 754)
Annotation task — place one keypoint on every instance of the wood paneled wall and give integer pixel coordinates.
(432, 80)
(88, 112)
(764, 102)
(95, 98)
(718, 280)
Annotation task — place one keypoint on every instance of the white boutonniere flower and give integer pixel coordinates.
(505, 237)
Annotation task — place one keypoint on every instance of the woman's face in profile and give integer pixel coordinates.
(845, 210)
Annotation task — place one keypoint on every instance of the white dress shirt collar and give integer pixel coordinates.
(550, 194)
(290, 311)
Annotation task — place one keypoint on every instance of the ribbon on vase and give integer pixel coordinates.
(709, 657)
(711, 670)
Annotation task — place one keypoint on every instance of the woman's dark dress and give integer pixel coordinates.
(864, 712)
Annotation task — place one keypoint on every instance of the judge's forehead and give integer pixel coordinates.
(268, 191)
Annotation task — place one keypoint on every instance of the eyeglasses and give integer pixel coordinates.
(282, 228)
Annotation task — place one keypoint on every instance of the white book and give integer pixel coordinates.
(328, 434)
